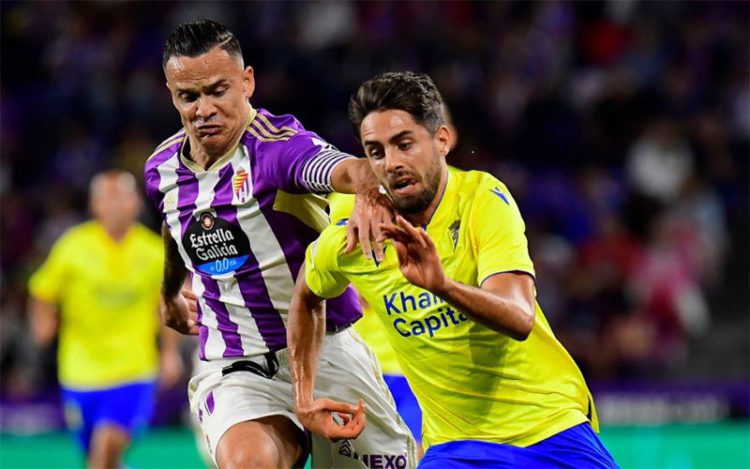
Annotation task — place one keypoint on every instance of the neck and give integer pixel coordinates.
(424, 217)
(117, 233)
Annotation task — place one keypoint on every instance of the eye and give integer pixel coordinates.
(219, 92)
(404, 146)
(375, 153)
(188, 97)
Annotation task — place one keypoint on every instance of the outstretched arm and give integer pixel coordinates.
(505, 302)
(305, 334)
(174, 307)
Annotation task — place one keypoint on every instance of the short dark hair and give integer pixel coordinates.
(198, 37)
(414, 93)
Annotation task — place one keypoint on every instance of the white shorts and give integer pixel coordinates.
(347, 371)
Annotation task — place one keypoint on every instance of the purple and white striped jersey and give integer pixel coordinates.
(242, 227)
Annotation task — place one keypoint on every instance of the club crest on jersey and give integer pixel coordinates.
(207, 221)
(241, 186)
(454, 232)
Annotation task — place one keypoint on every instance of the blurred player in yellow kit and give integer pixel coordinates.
(99, 291)
(456, 294)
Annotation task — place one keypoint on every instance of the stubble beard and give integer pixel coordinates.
(421, 201)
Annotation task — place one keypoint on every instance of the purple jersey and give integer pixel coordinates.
(242, 227)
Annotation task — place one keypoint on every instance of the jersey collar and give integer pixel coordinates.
(447, 201)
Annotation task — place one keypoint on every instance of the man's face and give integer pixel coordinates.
(211, 92)
(407, 160)
(114, 201)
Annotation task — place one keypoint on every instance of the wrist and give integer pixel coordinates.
(445, 288)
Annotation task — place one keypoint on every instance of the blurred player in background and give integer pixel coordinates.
(456, 295)
(235, 189)
(99, 291)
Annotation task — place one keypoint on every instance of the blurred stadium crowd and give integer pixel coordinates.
(622, 129)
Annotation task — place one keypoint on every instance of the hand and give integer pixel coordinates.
(371, 209)
(417, 255)
(181, 312)
(317, 416)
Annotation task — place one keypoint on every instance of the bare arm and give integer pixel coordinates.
(44, 321)
(353, 176)
(504, 303)
(171, 367)
(174, 307)
(305, 333)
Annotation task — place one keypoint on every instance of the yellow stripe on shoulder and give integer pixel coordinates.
(255, 134)
(262, 130)
(273, 128)
(170, 141)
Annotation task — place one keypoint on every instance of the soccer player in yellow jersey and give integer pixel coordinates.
(99, 290)
(455, 293)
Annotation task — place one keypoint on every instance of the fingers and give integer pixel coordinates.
(394, 232)
(334, 406)
(352, 426)
(377, 235)
(414, 233)
(351, 237)
(193, 328)
(188, 294)
(364, 238)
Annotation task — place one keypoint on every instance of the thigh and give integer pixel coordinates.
(348, 371)
(272, 442)
(224, 402)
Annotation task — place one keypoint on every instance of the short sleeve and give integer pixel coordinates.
(294, 159)
(321, 266)
(498, 232)
(47, 282)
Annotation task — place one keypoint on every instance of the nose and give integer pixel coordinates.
(205, 108)
(393, 162)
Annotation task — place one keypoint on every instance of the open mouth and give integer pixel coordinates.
(403, 185)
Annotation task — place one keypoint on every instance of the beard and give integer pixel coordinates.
(417, 203)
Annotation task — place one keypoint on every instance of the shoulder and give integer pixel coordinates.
(167, 148)
(265, 127)
(479, 189)
(147, 235)
(331, 242)
(478, 183)
(149, 244)
(82, 234)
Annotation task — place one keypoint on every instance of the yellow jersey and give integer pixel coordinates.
(471, 382)
(369, 327)
(108, 297)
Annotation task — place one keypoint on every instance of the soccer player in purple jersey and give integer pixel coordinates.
(238, 189)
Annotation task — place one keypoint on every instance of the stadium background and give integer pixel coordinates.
(622, 128)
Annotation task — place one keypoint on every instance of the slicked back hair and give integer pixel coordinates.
(198, 37)
(411, 92)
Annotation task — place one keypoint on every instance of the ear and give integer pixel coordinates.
(443, 139)
(248, 82)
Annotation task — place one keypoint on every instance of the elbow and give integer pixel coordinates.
(523, 329)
